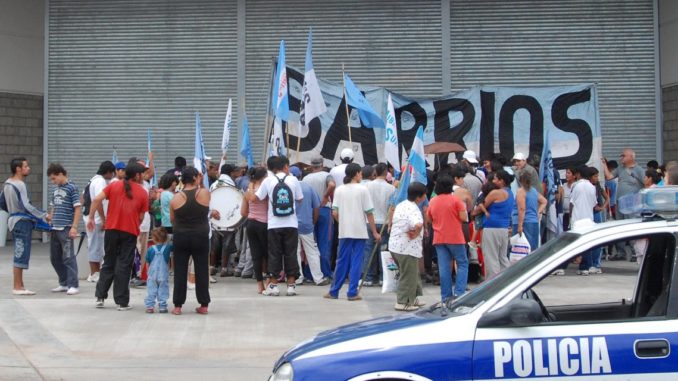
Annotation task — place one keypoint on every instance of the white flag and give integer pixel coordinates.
(277, 143)
(391, 137)
(227, 129)
(313, 104)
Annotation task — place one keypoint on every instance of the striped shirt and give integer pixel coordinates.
(64, 200)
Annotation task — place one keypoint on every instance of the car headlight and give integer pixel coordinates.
(284, 373)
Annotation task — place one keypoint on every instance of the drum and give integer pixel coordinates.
(227, 201)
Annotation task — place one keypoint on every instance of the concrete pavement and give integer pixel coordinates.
(58, 337)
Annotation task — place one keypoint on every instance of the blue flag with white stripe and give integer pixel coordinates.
(280, 102)
(417, 157)
(245, 148)
(546, 171)
(357, 100)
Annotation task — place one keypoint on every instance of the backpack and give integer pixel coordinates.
(282, 201)
(86, 200)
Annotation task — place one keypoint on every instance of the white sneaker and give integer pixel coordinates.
(73, 291)
(271, 290)
(558, 272)
(191, 286)
(60, 289)
(583, 272)
(299, 281)
(595, 270)
(93, 278)
(213, 279)
(291, 290)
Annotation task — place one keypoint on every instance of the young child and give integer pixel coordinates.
(157, 284)
(65, 215)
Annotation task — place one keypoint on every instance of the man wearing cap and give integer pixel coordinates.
(472, 180)
(520, 165)
(308, 211)
(339, 172)
(323, 183)
(119, 171)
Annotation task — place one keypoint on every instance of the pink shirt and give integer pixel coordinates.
(259, 210)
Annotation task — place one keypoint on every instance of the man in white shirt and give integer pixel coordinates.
(582, 201)
(323, 183)
(95, 238)
(351, 202)
(380, 193)
(283, 234)
(339, 172)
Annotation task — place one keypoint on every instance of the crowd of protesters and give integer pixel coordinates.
(313, 225)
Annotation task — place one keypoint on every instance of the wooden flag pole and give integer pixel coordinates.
(348, 119)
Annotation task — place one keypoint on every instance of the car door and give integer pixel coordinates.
(620, 323)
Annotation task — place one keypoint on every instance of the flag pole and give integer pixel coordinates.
(269, 122)
(298, 142)
(348, 119)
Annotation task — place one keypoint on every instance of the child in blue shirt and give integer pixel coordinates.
(157, 285)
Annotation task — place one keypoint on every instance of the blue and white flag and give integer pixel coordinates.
(313, 104)
(356, 99)
(418, 158)
(199, 156)
(401, 194)
(227, 129)
(280, 104)
(154, 179)
(391, 137)
(245, 148)
(546, 171)
(114, 158)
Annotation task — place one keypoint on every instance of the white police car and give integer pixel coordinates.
(621, 326)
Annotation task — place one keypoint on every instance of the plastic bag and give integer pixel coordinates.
(520, 248)
(473, 254)
(391, 273)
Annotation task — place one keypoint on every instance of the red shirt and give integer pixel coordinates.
(123, 212)
(443, 210)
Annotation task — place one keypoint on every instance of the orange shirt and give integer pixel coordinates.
(443, 210)
(123, 213)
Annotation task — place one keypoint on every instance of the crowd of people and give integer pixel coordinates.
(309, 224)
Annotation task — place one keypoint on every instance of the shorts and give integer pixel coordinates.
(95, 244)
(22, 232)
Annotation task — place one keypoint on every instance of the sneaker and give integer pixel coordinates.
(201, 310)
(595, 270)
(355, 298)
(176, 311)
(323, 282)
(93, 278)
(419, 303)
(99, 303)
(271, 290)
(368, 283)
(329, 296)
(299, 281)
(405, 307)
(247, 276)
(558, 272)
(124, 307)
(291, 289)
(213, 270)
(162, 310)
(190, 286)
(60, 289)
(73, 291)
(150, 310)
(213, 279)
(23, 292)
(237, 274)
(583, 272)
(226, 273)
(136, 282)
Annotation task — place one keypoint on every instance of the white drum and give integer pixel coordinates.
(227, 201)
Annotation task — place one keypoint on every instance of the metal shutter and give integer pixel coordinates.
(526, 43)
(396, 44)
(118, 68)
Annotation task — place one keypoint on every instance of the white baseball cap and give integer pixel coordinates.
(519, 156)
(346, 153)
(470, 156)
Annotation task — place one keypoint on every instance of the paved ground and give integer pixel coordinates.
(57, 337)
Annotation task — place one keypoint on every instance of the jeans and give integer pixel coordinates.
(349, 264)
(446, 253)
(23, 229)
(373, 269)
(531, 231)
(157, 289)
(62, 256)
(323, 236)
(598, 251)
(118, 261)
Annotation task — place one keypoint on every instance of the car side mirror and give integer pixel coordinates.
(517, 313)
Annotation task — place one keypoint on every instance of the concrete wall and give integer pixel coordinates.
(22, 39)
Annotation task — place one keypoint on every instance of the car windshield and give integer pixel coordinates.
(471, 300)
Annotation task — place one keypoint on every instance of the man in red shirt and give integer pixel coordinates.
(127, 203)
(447, 213)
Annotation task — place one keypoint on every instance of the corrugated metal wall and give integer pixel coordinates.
(118, 68)
(526, 43)
(396, 44)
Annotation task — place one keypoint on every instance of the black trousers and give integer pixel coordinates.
(196, 246)
(118, 261)
(257, 236)
(282, 251)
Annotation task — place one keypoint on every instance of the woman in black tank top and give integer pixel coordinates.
(189, 211)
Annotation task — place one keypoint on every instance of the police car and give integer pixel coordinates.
(617, 328)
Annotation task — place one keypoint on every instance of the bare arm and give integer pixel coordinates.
(76, 220)
(521, 204)
(373, 227)
(543, 203)
(97, 204)
(608, 174)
